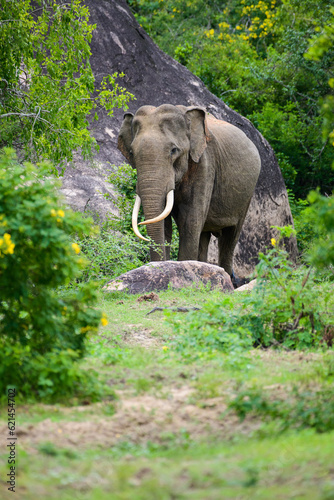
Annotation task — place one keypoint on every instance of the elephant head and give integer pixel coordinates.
(159, 142)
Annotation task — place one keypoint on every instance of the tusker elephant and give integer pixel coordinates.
(190, 166)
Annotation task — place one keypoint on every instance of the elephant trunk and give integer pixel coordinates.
(165, 212)
(155, 211)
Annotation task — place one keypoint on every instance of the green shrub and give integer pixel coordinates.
(321, 213)
(124, 179)
(288, 307)
(300, 409)
(111, 254)
(47, 85)
(41, 331)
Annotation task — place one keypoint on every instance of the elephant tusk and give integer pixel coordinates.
(167, 211)
(135, 213)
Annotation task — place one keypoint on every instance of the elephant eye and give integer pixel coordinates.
(174, 150)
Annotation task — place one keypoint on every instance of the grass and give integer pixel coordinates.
(288, 466)
(171, 430)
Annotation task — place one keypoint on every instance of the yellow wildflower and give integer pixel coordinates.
(165, 348)
(61, 213)
(104, 320)
(210, 33)
(76, 248)
(273, 242)
(6, 244)
(53, 213)
(223, 25)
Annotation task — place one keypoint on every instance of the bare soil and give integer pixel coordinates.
(137, 420)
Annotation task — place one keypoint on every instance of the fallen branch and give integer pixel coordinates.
(174, 309)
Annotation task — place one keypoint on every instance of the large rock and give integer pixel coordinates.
(158, 276)
(120, 44)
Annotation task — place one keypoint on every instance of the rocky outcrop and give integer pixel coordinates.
(120, 44)
(158, 276)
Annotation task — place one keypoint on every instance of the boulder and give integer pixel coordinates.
(120, 44)
(247, 287)
(158, 276)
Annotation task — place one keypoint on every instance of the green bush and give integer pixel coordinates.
(110, 254)
(47, 85)
(300, 409)
(40, 329)
(321, 213)
(288, 308)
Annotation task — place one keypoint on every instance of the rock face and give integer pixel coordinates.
(120, 44)
(158, 276)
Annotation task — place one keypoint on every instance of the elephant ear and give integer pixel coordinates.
(125, 137)
(199, 135)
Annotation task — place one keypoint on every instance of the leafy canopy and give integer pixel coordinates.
(251, 55)
(46, 82)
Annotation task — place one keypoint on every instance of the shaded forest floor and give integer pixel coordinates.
(168, 429)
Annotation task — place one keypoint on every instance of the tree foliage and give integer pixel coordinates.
(41, 331)
(47, 88)
(251, 54)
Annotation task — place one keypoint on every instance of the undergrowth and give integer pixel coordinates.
(301, 408)
(288, 308)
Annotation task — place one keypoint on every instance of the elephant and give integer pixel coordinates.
(195, 168)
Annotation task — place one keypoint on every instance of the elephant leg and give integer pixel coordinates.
(168, 235)
(189, 245)
(226, 244)
(203, 246)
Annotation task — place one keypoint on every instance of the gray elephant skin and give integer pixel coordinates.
(190, 166)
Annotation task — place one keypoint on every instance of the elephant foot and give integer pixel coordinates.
(237, 282)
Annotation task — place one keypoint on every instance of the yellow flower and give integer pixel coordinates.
(76, 248)
(53, 213)
(61, 213)
(104, 320)
(164, 348)
(6, 244)
(273, 242)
